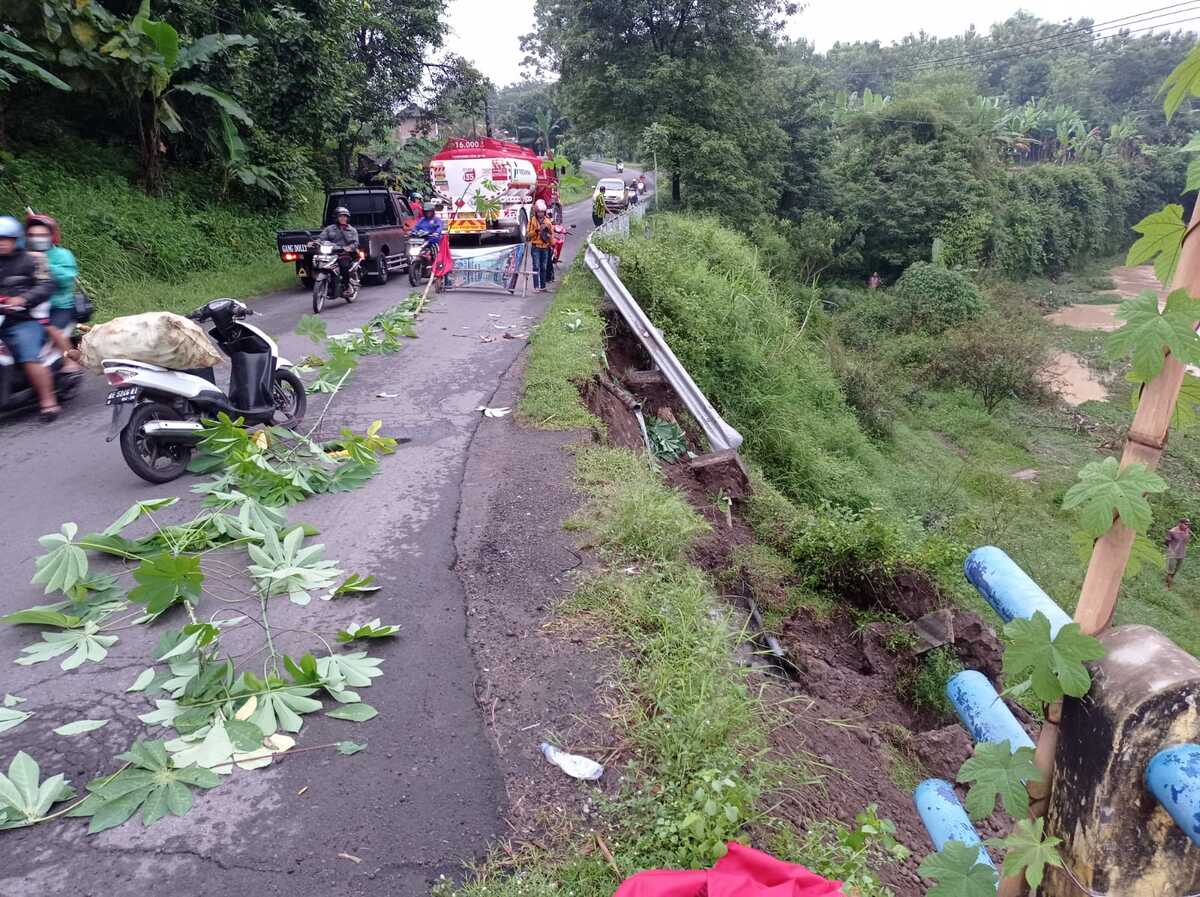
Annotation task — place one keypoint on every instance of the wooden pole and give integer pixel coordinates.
(1143, 445)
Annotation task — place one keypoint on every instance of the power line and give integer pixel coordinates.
(1091, 30)
(999, 55)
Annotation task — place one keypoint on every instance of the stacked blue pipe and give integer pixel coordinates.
(945, 819)
(1009, 590)
(983, 714)
(1173, 777)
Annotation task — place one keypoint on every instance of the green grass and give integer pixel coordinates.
(142, 253)
(566, 349)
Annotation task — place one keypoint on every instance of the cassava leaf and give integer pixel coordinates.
(1148, 333)
(346, 748)
(370, 629)
(137, 510)
(64, 563)
(24, 797)
(83, 644)
(10, 718)
(1028, 848)
(358, 713)
(355, 585)
(80, 726)
(314, 327)
(958, 872)
(1057, 664)
(1106, 489)
(997, 771)
(43, 616)
(1162, 239)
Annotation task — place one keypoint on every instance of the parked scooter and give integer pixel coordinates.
(157, 411)
(327, 276)
(16, 392)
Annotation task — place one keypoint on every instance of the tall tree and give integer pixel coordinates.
(693, 66)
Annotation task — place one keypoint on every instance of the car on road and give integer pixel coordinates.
(382, 219)
(616, 194)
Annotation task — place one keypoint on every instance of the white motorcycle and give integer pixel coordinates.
(158, 411)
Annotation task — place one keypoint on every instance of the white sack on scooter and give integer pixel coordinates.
(156, 337)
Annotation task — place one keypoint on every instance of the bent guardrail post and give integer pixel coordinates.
(1173, 777)
(1009, 589)
(945, 819)
(721, 436)
(982, 713)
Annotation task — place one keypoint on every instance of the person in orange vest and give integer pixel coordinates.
(541, 241)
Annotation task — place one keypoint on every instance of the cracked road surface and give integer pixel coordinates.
(426, 794)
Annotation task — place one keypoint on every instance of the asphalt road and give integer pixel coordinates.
(426, 794)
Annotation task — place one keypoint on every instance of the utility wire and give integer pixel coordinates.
(1006, 53)
(1092, 30)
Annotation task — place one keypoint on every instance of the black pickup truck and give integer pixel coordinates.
(382, 219)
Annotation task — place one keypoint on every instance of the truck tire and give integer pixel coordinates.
(380, 273)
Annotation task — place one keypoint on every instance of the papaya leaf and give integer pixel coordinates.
(1162, 239)
(1057, 663)
(1149, 333)
(1183, 82)
(1185, 416)
(1028, 848)
(1106, 489)
(958, 872)
(997, 771)
(166, 578)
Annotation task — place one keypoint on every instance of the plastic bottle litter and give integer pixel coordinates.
(575, 766)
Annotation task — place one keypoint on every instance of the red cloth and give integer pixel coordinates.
(742, 872)
(443, 263)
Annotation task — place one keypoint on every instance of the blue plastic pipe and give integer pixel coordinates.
(944, 817)
(983, 714)
(1173, 776)
(1009, 590)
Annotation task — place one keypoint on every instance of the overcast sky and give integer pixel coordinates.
(488, 31)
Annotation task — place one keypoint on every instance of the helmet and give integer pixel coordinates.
(45, 221)
(427, 210)
(540, 205)
(10, 228)
(340, 211)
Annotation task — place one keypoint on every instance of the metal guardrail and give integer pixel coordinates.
(720, 435)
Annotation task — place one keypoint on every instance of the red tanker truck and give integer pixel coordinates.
(498, 170)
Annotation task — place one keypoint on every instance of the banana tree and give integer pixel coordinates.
(15, 62)
(147, 59)
(545, 122)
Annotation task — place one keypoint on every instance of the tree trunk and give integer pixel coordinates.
(149, 138)
(675, 186)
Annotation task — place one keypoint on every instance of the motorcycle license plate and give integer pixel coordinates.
(120, 396)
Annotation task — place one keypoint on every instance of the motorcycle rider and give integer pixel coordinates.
(24, 285)
(343, 235)
(429, 227)
(42, 236)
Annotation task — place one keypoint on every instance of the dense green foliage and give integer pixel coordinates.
(1020, 162)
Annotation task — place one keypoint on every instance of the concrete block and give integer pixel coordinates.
(1118, 839)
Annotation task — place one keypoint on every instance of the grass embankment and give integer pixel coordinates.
(699, 734)
(141, 253)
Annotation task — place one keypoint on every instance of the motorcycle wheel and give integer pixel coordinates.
(289, 397)
(154, 462)
(320, 288)
(414, 272)
(353, 294)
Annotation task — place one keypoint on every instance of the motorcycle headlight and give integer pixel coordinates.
(414, 250)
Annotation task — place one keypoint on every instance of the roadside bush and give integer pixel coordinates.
(866, 394)
(933, 299)
(965, 240)
(997, 359)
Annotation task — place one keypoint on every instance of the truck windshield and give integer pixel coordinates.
(366, 209)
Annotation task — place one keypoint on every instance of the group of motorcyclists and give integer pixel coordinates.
(37, 301)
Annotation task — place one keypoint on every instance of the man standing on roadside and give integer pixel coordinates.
(1177, 543)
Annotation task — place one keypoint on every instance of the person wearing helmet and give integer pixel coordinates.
(541, 241)
(429, 226)
(343, 235)
(24, 285)
(42, 236)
